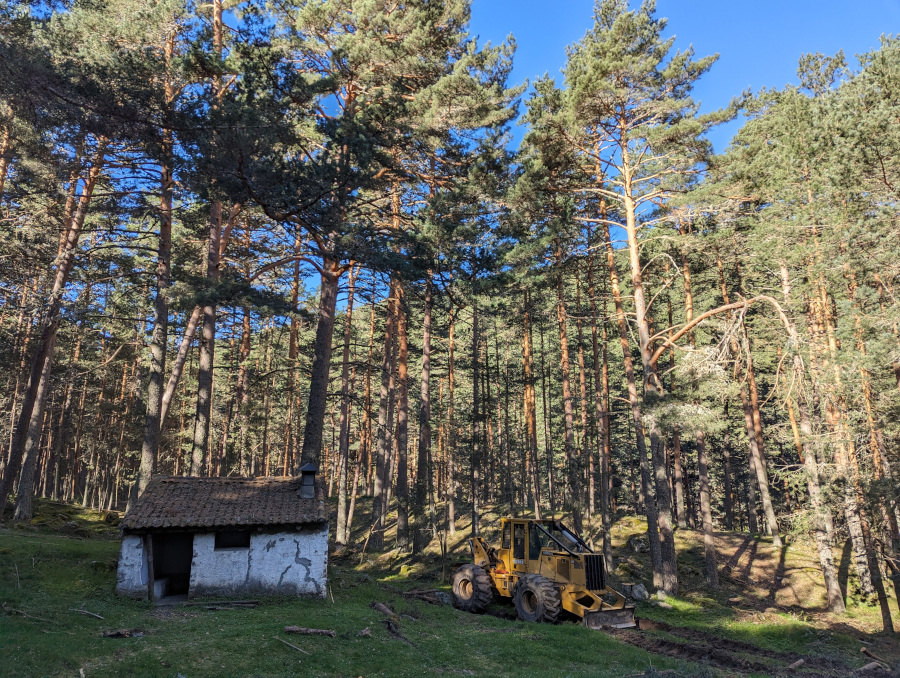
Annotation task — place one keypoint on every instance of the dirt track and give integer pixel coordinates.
(723, 653)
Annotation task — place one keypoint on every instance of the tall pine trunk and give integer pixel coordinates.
(647, 492)
(572, 475)
(759, 477)
(343, 534)
(318, 383)
(601, 403)
(402, 487)
(653, 390)
(709, 541)
(26, 437)
(822, 519)
(423, 465)
(203, 415)
(160, 337)
(530, 406)
(384, 432)
(475, 456)
(586, 447)
(451, 424)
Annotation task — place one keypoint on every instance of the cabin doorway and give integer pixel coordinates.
(172, 556)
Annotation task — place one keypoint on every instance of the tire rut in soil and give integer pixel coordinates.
(691, 652)
(726, 654)
(810, 663)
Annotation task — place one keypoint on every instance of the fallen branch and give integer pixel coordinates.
(410, 593)
(299, 649)
(425, 595)
(90, 614)
(309, 632)
(6, 608)
(362, 554)
(405, 592)
(394, 629)
(221, 602)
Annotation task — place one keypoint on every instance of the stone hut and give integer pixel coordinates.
(225, 536)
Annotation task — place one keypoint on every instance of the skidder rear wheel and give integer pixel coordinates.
(471, 588)
(536, 599)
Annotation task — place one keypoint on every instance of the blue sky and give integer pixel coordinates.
(759, 42)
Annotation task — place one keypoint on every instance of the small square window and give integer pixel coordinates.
(232, 539)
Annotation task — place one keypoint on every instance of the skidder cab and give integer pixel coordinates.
(545, 568)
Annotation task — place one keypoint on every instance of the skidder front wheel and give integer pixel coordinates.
(536, 599)
(471, 588)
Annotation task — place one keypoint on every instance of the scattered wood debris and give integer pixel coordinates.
(309, 632)
(871, 655)
(90, 614)
(365, 633)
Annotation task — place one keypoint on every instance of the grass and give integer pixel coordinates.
(65, 560)
(45, 576)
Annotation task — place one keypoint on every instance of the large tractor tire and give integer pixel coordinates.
(536, 599)
(471, 588)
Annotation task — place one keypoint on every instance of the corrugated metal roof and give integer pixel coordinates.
(171, 502)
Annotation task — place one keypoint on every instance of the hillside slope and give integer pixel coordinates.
(57, 572)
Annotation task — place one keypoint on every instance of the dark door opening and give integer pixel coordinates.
(172, 556)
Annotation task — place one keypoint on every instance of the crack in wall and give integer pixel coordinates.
(281, 578)
(306, 563)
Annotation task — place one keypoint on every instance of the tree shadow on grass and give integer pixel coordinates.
(844, 569)
(778, 577)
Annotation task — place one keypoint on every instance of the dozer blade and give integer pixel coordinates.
(622, 618)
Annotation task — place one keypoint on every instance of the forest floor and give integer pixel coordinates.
(766, 616)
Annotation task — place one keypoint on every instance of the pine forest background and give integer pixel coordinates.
(243, 236)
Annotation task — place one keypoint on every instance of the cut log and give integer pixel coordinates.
(384, 609)
(879, 662)
(872, 666)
